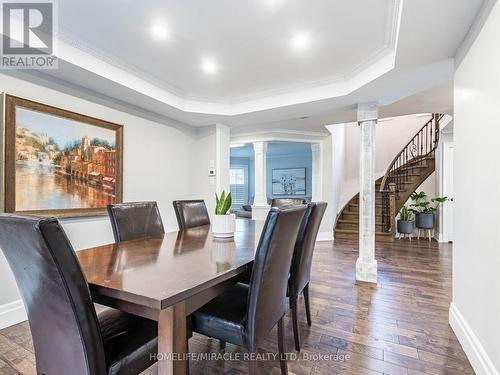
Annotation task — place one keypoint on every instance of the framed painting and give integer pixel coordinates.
(59, 163)
(289, 181)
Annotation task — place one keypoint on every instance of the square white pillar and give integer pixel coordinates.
(317, 171)
(260, 208)
(222, 157)
(366, 265)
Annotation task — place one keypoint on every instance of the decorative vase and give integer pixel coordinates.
(425, 221)
(405, 226)
(223, 226)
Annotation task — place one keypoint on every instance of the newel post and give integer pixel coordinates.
(392, 207)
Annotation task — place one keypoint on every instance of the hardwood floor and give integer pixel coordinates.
(398, 327)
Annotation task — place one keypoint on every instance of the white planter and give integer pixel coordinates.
(224, 226)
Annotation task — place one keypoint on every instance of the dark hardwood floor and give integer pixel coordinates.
(398, 327)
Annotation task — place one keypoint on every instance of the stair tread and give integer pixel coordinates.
(353, 231)
(357, 204)
(349, 221)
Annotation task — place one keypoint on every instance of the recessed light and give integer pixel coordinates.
(274, 5)
(159, 31)
(209, 65)
(300, 41)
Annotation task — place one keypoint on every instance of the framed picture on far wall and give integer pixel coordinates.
(289, 181)
(59, 163)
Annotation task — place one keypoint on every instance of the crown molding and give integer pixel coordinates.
(281, 135)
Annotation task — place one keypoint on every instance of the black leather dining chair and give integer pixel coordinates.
(281, 202)
(134, 220)
(245, 314)
(191, 213)
(300, 271)
(68, 335)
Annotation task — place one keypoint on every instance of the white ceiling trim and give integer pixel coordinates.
(84, 56)
(284, 135)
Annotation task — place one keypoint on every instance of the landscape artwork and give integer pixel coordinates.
(63, 165)
(289, 182)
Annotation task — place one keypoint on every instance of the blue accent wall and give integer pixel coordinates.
(302, 160)
(249, 162)
(279, 155)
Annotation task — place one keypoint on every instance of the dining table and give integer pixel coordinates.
(166, 278)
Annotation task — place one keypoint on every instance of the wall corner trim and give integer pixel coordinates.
(12, 313)
(477, 355)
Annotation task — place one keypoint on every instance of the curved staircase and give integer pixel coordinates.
(408, 170)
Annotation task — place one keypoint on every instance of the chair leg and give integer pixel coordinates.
(281, 347)
(308, 307)
(295, 323)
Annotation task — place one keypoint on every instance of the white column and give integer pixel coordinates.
(317, 168)
(222, 157)
(260, 207)
(366, 265)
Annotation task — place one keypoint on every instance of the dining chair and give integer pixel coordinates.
(281, 202)
(245, 314)
(134, 220)
(191, 213)
(300, 271)
(68, 335)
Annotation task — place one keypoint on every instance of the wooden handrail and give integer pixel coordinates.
(421, 146)
(437, 117)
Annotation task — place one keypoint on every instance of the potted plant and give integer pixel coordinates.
(223, 225)
(424, 209)
(405, 222)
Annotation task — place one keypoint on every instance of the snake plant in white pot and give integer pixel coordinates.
(224, 222)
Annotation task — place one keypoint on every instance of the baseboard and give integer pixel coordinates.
(325, 236)
(12, 313)
(478, 358)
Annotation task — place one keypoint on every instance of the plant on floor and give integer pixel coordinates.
(424, 209)
(405, 214)
(405, 223)
(223, 203)
(422, 205)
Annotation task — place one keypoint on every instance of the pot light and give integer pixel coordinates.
(274, 5)
(160, 31)
(209, 66)
(300, 41)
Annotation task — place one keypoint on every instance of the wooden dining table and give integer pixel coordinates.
(167, 278)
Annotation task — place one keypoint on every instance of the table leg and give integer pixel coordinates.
(172, 338)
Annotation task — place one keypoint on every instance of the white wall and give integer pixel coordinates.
(326, 162)
(475, 311)
(158, 165)
(338, 164)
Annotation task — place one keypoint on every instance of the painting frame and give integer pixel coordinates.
(303, 170)
(10, 105)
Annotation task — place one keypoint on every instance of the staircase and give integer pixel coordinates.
(408, 170)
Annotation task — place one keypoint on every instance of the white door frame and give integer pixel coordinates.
(447, 208)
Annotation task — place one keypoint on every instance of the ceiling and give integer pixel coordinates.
(394, 53)
(248, 39)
